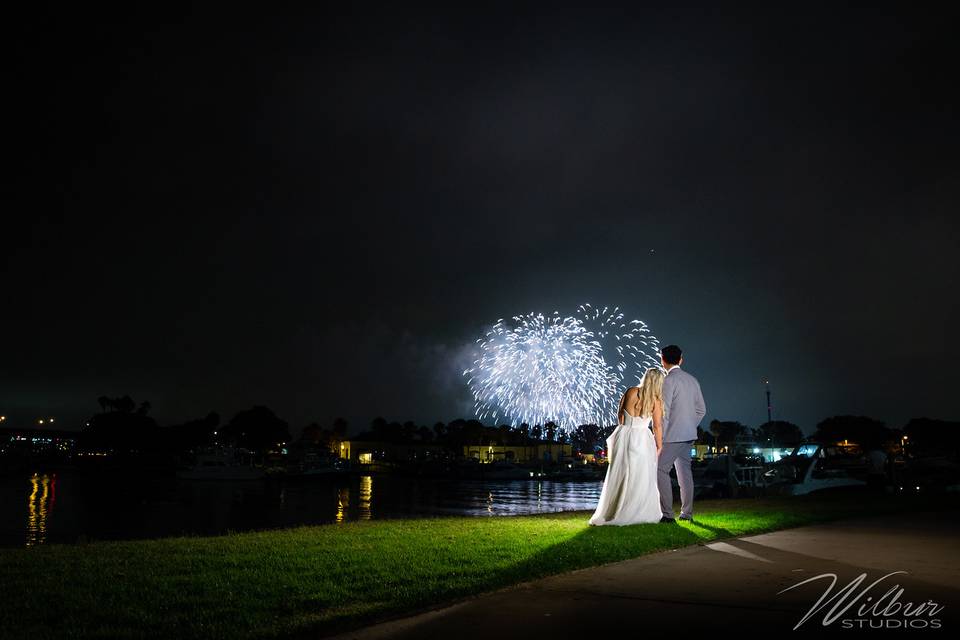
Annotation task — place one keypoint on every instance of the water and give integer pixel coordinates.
(67, 507)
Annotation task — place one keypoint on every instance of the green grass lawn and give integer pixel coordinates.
(315, 580)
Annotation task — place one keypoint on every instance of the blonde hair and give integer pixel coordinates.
(649, 393)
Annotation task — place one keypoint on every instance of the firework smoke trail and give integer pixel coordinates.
(570, 370)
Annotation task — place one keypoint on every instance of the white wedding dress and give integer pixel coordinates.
(630, 494)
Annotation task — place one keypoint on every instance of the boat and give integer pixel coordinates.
(220, 464)
(473, 469)
(815, 467)
(318, 467)
(503, 470)
(578, 471)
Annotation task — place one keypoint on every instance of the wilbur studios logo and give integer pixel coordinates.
(856, 606)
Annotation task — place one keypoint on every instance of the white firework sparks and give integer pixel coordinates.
(569, 370)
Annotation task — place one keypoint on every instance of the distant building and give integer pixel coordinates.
(536, 452)
(360, 451)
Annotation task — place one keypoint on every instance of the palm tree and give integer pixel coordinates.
(124, 404)
(550, 430)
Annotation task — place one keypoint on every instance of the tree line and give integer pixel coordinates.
(124, 424)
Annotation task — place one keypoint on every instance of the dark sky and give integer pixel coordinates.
(321, 212)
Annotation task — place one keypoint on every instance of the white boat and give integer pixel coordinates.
(813, 467)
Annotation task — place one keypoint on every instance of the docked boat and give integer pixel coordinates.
(318, 467)
(221, 464)
(578, 471)
(503, 470)
(497, 470)
(814, 467)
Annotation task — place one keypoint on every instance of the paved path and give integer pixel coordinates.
(723, 585)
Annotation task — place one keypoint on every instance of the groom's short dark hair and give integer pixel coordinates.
(671, 354)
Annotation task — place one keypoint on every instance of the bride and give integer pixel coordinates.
(629, 494)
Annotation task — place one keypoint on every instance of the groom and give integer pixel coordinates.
(683, 410)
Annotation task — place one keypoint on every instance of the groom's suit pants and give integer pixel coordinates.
(675, 454)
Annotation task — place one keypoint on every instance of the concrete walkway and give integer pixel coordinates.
(722, 585)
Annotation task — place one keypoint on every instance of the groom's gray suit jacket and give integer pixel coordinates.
(683, 406)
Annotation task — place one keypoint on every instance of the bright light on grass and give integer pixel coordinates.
(310, 578)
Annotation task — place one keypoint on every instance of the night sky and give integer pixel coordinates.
(322, 212)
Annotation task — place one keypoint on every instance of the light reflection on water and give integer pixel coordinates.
(86, 506)
(39, 505)
(343, 503)
(366, 496)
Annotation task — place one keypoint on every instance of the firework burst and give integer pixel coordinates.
(570, 370)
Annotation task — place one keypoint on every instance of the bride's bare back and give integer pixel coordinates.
(630, 402)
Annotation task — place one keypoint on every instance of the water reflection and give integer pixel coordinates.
(366, 495)
(343, 503)
(39, 506)
(86, 504)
